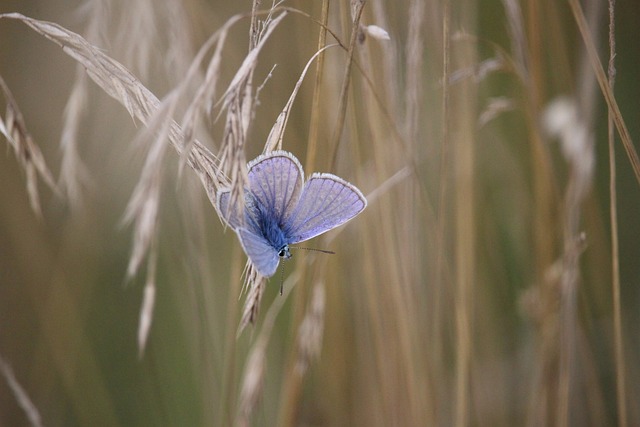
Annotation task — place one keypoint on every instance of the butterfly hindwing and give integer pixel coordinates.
(248, 218)
(230, 214)
(262, 255)
(326, 202)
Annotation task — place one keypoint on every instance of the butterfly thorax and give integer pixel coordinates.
(272, 231)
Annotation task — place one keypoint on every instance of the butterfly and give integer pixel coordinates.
(280, 209)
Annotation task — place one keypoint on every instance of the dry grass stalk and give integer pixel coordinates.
(252, 382)
(517, 35)
(136, 31)
(441, 219)
(415, 57)
(204, 97)
(20, 394)
(357, 6)
(74, 175)
(314, 122)
(495, 107)
(144, 203)
(621, 392)
(274, 140)
(562, 120)
(14, 129)
(123, 86)
(253, 377)
(255, 285)
(607, 91)
(463, 150)
(238, 101)
(148, 304)
(311, 329)
(477, 71)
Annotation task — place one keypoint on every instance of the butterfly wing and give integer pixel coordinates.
(326, 202)
(275, 180)
(249, 219)
(262, 255)
(230, 214)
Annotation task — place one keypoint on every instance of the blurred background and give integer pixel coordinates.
(476, 289)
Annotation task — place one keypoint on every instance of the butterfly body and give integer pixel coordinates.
(280, 209)
(265, 224)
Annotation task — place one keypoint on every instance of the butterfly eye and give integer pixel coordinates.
(284, 252)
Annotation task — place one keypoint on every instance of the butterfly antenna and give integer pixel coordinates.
(281, 279)
(313, 249)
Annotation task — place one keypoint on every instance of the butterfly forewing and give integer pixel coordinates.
(275, 180)
(262, 255)
(326, 202)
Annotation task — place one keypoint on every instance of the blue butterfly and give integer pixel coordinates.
(280, 209)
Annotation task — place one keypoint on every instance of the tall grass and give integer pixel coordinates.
(490, 281)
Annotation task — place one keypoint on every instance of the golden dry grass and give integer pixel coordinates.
(490, 281)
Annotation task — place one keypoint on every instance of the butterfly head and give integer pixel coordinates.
(284, 252)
